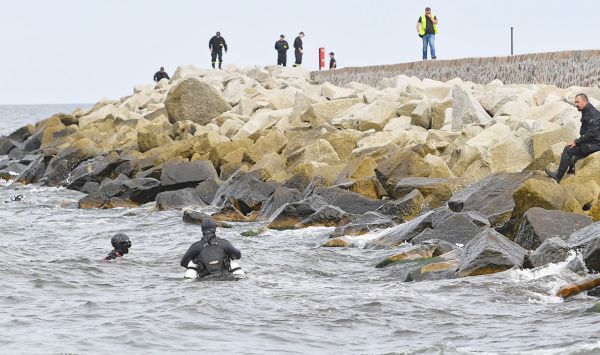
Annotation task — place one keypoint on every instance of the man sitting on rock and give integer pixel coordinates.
(121, 245)
(210, 253)
(586, 144)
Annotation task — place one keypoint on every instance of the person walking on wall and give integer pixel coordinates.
(427, 29)
(216, 46)
(332, 61)
(282, 47)
(298, 49)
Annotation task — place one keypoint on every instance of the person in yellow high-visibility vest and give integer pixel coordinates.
(427, 29)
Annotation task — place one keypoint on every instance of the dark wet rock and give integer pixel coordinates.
(117, 202)
(141, 191)
(6, 145)
(93, 170)
(194, 217)
(290, 215)
(248, 192)
(90, 187)
(58, 171)
(441, 267)
(187, 173)
(402, 233)
(326, 216)
(299, 181)
(348, 201)
(540, 224)
(410, 253)
(207, 189)
(280, 197)
(457, 228)
(591, 255)
(436, 192)
(552, 250)
(366, 223)
(230, 213)
(33, 142)
(595, 292)
(404, 209)
(490, 252)
(491, 196)
(584, 236)
(153, 173)
(178, 199)
(131, 167)
(17, 154)
(401, 165)
(22, 133)
(34, 171)
(12, 171)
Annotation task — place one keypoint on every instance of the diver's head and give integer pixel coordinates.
(209, 227)
(121, 243)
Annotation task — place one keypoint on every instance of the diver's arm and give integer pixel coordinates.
(189, 255)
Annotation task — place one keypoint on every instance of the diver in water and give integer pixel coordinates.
(121, 245)
(211, 254)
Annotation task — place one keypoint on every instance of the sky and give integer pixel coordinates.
(79, 51)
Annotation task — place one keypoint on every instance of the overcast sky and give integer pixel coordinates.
(77, 51)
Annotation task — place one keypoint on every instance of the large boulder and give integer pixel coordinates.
(467, 110)
(404, 209)
(326, 216)
(248, 192)
(366, 223)
(34, 171)
(346, 200)
(539, 225)
(456, 228)
(436, 192)
(321, 112)
(187, 174)
(544, 140)
(405, 163)
(207, 189)
(402, 233)
(492, 197)
(280, 197)
(196, 101)
(490, 252)
(93, 170)
(290, 215)
(178, 199)
(318, 151)
(552, 250)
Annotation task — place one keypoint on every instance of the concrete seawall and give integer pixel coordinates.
(563, 69)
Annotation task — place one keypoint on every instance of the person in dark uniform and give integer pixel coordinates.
(282, 47)
(332, 61)
(298, 49)
(121, 245)
(216, 46)
(211, 254)
(586, 144)
(161, 74)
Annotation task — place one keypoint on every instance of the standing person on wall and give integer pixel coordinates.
(427, 29)
(298, 49)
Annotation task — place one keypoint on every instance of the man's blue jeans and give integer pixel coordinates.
(429, 39)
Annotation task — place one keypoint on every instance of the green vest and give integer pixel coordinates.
(424, 25)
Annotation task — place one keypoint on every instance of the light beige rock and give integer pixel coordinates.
(322, 112)
(542, 141)
(320, 151)
(467, 110)
(196, 101)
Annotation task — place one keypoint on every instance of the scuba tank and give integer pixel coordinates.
(235, 269)
(192, 271)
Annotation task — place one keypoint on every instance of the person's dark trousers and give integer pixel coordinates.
(282, 59)
(569, 157)
(298, 58)
(214, 56)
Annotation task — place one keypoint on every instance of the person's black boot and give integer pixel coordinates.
(552, 174)
(571, 169)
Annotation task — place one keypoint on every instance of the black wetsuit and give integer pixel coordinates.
(216, 46)
(282, 47)
(113, 255)
(332, 63)
(161, 75)
(586, 144)
(193, 254)
(298, 51)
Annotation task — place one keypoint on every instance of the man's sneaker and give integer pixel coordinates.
(552, 174)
